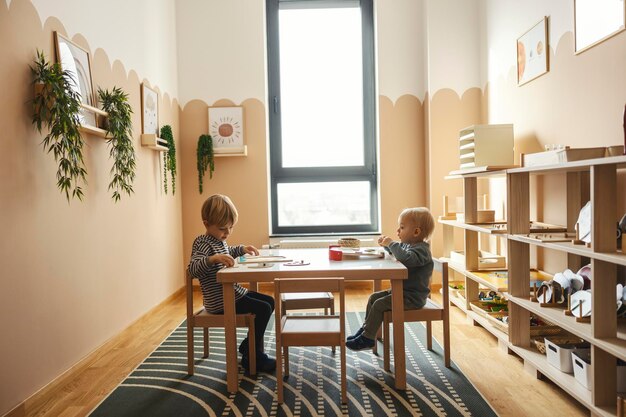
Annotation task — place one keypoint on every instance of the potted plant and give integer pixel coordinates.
(169, 157)
(120, 132)
(56, 106)
(205, 158)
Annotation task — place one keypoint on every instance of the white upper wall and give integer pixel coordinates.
(221, 50)
(139, 37)
(507, 20)
(401, 46)
(453, 45)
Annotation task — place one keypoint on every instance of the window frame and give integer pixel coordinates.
(279, 174)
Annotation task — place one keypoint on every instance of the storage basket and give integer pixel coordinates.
(540, 343)
(349, 242)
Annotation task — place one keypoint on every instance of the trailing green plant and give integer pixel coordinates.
(169, 157)
(56, 106)
(120, 133)
(205, 158)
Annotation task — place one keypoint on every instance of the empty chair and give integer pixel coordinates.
(306, 301)
(201, 318)
(312, 330)
(429, 313)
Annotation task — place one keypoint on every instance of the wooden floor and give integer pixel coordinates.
(499, 377)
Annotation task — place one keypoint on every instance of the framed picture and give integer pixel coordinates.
(76, 61)
(149, 110)
(226, 128)
(597, 20)
(532, 53)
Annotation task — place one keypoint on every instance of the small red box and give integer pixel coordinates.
(334, 253)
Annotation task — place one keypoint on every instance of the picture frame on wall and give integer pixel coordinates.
(77, 62)
(226, 129)
(533, 53)
(596, 21)
(149, 110)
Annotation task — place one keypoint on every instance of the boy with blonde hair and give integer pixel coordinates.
(415, 226)
(209, 254)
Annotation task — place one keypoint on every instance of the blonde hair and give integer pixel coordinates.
(420, 217)
(219, 210)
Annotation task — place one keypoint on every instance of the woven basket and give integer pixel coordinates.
(349, 242)
(540, 343)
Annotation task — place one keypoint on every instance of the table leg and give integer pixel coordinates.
(230, 334)
(397, 315)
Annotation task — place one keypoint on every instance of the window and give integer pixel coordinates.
(322, 116)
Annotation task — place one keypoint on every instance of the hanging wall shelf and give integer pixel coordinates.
(152, 141)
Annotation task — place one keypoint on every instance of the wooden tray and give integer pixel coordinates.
(493, 318)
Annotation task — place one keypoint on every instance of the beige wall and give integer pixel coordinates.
(579, 102)
(73, 275)
(204, 82)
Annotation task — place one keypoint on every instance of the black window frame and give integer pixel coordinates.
(367, 172)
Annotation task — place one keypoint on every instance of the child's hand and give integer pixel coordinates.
(384, 240)
(224, 259)
(251, 250)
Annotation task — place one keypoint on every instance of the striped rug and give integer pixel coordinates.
(160, 385)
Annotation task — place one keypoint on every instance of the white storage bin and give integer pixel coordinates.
(581, 361)
(560, 356)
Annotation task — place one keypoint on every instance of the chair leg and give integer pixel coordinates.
(332, 312)
(205, 335)
(429, 335)
(286, 354)
(190, 347)
(446, 341)
(279, 373)
(386, 347)
(251, 346)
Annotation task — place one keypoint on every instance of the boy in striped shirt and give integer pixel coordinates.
(209, 254)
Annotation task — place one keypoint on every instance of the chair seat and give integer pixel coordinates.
(203, 318)
(311, 324)
(304, 301)
(289, 296)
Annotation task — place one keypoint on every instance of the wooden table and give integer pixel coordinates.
(375, 269)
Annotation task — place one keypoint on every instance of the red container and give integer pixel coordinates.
(334, 253)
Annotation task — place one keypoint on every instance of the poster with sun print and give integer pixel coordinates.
(226, 129)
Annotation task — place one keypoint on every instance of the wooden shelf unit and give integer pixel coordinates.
(593, 180)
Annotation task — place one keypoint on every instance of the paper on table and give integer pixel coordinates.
(262, 259)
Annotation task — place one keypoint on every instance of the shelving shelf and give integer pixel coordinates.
(152, 141)
(587, 180)
(92, 130)
(481, 228)
(567, 382)
(494, 284)
(615, 346)
(580, 250)
(499, 334)
(574, 166)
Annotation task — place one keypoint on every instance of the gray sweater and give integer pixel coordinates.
(418, 260)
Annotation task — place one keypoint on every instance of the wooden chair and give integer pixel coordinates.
(429, 313)
(308, 330)
(306, 301)
(201, 318)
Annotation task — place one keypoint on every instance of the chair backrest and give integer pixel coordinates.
(189, 294)
(306, 285)
(442, 267)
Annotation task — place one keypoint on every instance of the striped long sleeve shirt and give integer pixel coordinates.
(212, 294)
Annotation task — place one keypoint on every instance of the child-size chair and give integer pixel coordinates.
(314, 330)
(306, 301)
(201, 318)
(429, 313)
